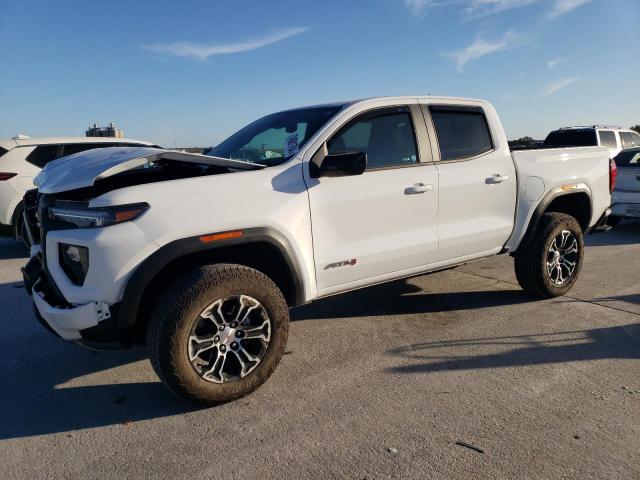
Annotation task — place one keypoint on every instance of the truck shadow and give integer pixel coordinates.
(401, 298)
(621, 342)
(52, 386)
(36, 400)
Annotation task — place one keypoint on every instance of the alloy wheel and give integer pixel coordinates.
(229, 339)
(562, 257)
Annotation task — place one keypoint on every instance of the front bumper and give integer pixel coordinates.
(67, 322)
(91, 324)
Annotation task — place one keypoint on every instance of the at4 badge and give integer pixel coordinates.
(344, 263)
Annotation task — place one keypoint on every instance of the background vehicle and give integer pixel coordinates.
(22, 158)
(613, 138)
(202, 255)
(626, 196)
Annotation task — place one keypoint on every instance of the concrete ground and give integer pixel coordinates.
(389, 382)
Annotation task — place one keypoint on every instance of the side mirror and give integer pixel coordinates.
(342, 165)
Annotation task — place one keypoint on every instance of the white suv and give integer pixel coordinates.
(22, 158)
(615, 139)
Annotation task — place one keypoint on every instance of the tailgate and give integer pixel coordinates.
(628, 179)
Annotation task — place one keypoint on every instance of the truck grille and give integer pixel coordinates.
(31, 199)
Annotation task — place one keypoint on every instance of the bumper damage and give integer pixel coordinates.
(91, 325)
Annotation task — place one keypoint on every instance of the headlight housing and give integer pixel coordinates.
(74, 261)
(70, 212)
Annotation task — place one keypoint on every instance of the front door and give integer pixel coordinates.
(370, 226)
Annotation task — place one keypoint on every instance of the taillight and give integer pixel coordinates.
(6, 176)
(613, 173)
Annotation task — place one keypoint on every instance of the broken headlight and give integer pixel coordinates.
(96, 217)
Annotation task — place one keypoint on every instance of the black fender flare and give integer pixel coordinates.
(542, 206)
(129, 307)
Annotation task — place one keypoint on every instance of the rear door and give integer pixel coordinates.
(477, 180)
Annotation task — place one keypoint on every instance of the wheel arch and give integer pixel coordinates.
(576, 202)
(16, 217)
(264, 249)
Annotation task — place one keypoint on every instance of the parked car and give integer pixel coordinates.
(626, 196)
(22, 158)
(203, 255)
(613, 138)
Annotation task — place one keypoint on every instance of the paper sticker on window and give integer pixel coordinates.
(291, 145)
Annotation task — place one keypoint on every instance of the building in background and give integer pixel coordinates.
(110, 131)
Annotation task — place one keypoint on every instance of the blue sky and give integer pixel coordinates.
(185, 73)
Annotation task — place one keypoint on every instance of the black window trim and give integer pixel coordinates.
(374, 112)
(36, 146)
(443, 107)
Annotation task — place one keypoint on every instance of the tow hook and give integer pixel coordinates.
(103, 311)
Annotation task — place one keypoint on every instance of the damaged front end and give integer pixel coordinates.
(61, 225)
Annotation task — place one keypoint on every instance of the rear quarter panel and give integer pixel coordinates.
(12, 190)
(543, 171)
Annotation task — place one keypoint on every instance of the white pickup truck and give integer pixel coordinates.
(203, 255)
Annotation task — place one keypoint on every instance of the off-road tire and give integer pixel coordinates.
(179, 308)
(531, 259)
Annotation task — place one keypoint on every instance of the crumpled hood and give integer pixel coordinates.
(85, 168)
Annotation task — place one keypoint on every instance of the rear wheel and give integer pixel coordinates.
(549, 263)
(218, 333)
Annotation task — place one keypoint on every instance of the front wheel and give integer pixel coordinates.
(549, 263)
(218, 333)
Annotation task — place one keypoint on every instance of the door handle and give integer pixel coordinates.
(638, 177)
(496, 178)
(417, 188)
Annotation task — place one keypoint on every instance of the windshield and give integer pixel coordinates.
(273, 139)
(571, 138)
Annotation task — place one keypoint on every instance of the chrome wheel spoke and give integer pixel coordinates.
(199, 345)
(215, 374)
(247, 305)
(258, 332)
(247, 365)
(214, 313)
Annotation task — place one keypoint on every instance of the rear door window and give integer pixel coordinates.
(3, 151)
(608, 138)
(43, 154)
(463, 132)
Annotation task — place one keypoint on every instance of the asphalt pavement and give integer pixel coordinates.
(458, 374)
